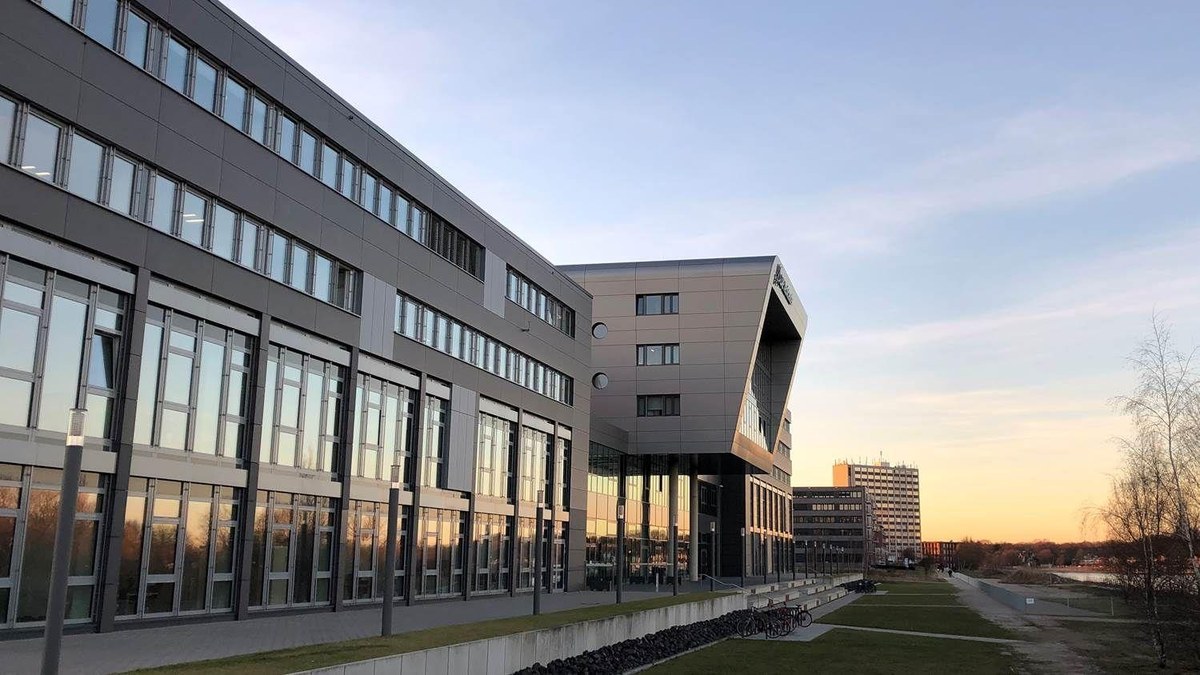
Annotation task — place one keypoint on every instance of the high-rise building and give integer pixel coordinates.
(692, 365)
(896, 489)
(272, 311)
(825, 518)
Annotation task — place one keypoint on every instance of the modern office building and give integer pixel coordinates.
(896, 490)
(835, 519)
(944, 553)
(272, 311)
(692, 365)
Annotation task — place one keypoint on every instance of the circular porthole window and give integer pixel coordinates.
(600, 380)
(599, 331)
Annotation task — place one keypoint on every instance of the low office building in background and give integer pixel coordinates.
(834, 523)
(692, 365)
(896, 491)
(944, 553)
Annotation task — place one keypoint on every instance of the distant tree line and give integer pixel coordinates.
(987, 555)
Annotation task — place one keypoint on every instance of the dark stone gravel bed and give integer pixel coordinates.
(625, 656)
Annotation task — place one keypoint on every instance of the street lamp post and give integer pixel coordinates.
(56, 606)
(805, 545)
(743, 556)
(712, 556)
(763, 547)
(389, 556)
(675, 557)
(537, 555)
(620, 547)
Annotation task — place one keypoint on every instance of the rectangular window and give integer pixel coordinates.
(658, 355)
(101, 21)
(137, 33)
(120, 185)
(298, 275)
(224, 231)
(175, 67)
(533, 298)
(329, 166)
(233, 110)
(59, 8)
(287, 137)
(368, 196)
(248, 244)
(40, 155)
(191, 222)
(322, 278)
(163, 216)
(258, 121)
(348, 179)
(277, 249)
(204, 85)
(83, 175)
(308, 152)
(385, 210)
(658, 405)
(8, 114)
(658, 303)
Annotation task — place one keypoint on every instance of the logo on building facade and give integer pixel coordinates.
(782, 284)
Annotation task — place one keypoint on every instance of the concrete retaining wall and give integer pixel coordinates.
(1019, 602)
(510, 653)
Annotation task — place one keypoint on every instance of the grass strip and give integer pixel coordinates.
(333, 653)
(844, 651)
(947, 620)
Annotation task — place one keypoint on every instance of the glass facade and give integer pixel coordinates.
(440, 552)
(292, 561)
(604, 476)
(491, 547)
(62, 343)
(756, 409)
(195, 385)
(384, 430)
(364, 551)
(536, 453)
(301, 410)
(178, 552)
(434, 441)
(540, 303)
(29, 501)
(494, 463)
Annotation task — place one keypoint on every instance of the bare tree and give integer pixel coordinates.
(1165, 410)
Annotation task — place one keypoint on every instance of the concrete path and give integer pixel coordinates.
(947, 636)
(148, 647)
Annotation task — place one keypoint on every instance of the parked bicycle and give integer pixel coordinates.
(774, 621)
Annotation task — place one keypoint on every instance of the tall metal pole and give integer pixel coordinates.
(805, 544)
(712, 556)
(620, 547)
(743, 557)
(537, 556)
(763, 548)
(389, 557)
(778, 560)
(675, 552)
(56, 607)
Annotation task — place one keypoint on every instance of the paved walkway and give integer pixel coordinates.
(148, 647)
(948, 636)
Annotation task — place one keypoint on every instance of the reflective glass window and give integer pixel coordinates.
(258, 120)
(308, 152)
(278, 252)
(234, 110)
(8, 113)
(60, 8)
(385, 203)
(163, 216)
(120, 185)
(349, 179)
(248, 246)
(191, 220)
(368, 199)
(329, 166)
(60, 381)
(40, 155)
(137, 33)
(204, 85)
(224, 231)
(101, 21)
(175, 68)
(83, 176)
(322, 277)
(298, 276)
(287, 137)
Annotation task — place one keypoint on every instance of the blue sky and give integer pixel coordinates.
(980, 204)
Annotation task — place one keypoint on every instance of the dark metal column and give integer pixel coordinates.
(253, 443)
(345, 472)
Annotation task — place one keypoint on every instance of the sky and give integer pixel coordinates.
(980, 204)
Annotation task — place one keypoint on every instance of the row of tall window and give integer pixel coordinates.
(384, 429)
(61, 342)
(167, 56)
(60, 154)
(539, 303)
(301, 421)
(658, 355)
(417, 321)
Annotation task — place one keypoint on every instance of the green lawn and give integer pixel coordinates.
(950, 620)
(922, 587)
(910, 599)
(1126, 648)
(328, 654)
(846, 651)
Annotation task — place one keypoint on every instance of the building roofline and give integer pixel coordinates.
(669, 263)
(357, 114)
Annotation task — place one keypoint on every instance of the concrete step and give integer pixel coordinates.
(816, 591)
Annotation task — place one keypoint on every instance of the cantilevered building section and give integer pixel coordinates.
(272, 311)
(896, 489)
(693, 362)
